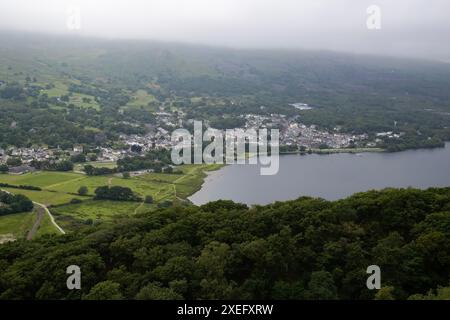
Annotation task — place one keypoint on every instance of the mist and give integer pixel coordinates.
(410, 28)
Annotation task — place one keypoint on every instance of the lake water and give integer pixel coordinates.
(331, 176)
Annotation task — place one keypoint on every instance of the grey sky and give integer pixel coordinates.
(418, 28)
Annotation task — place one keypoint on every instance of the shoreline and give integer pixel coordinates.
(332, 151)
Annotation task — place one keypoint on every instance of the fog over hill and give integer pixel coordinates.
(412, 28)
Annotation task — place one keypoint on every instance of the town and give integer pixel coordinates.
(294, 136)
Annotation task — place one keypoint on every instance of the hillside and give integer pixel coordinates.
(302, 249)
(108, 81)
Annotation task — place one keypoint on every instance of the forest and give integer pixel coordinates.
(307, 248)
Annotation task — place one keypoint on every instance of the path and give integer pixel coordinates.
(138, 207)
(64, 182)
(51, 217)
(39, 216)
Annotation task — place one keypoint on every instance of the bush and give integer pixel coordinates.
(83, 191)
(4, 168)
(148, 199)
(14, 162)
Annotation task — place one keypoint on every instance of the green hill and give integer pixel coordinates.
(302, 249)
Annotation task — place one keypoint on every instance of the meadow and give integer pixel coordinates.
(59, 189)
(16, 226)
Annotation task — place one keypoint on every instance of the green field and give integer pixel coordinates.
(47, 198)
(16, 226)
(39, 179)
(139, 99)
(59, 188)
(96, 209)
(77, 99)
(57, 91)
(97, 164)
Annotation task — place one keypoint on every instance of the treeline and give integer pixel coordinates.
(23, 187)
(303, 249)
(64, 165)
(98, 171)
(11, 203)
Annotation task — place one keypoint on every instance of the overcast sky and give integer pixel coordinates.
(418, 28)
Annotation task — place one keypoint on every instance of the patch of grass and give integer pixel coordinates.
(47, 198)
(97, 164)
(59, 188)
(139, 99)
(59, 90)
(17, 225)
(96, 209)
(46, 227)
(78, 99)
(39, 179)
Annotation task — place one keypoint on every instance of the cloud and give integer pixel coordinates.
(409, 27)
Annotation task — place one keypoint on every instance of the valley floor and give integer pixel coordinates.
(59, 189)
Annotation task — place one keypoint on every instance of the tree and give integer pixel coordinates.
(168, 170)
(155, 292)
(89, 169)
(64, 165)
(4, 168)
(106, 290)
(321, 286)
(78, 158)
(148, 199)
(136, 148)
(83, 190)
(126, 175)
(165, 204)
(442, 293)
(385, 293)
(14, 161)
(116, 193)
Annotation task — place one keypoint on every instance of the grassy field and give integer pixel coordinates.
(47, 198)
(16, 226)
(97, 164)
(140, 99)
(59, 188)
(39, 179)
(77, 99)
(96, 210)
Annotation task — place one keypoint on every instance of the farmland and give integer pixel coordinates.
(59, 189)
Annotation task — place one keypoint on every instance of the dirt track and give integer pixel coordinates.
(40, 212)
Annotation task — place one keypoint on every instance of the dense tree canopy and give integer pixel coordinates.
(11, 203)
(303, 249)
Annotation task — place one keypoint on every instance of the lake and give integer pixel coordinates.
(331, 177)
